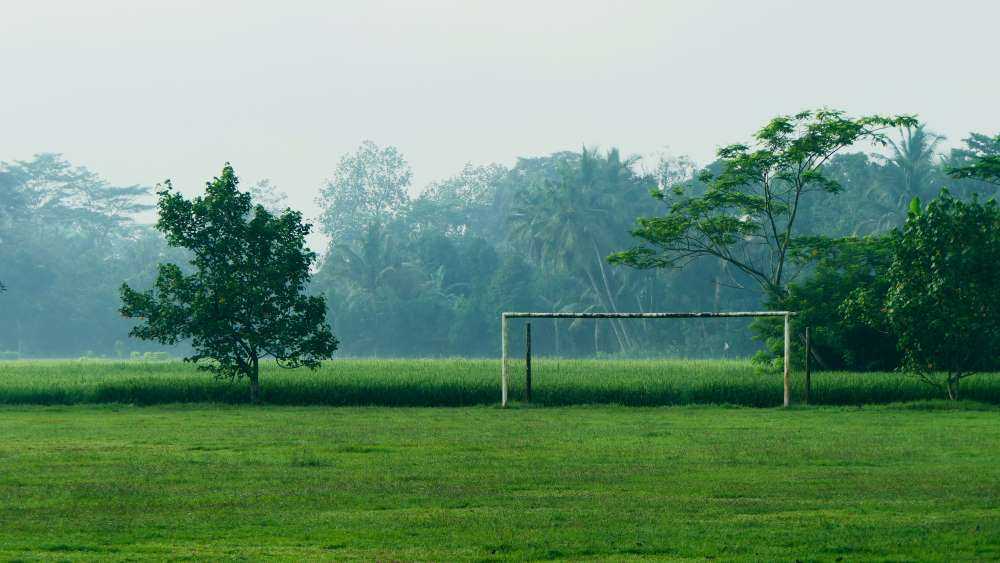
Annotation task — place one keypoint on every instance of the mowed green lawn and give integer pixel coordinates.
(917, 482)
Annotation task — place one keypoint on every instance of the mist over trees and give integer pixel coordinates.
(747, 213)
(428, 274)
(67, 239)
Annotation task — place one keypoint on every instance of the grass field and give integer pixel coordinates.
(918, 482)
(460, 382)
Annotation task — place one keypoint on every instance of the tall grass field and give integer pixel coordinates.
(461, 382)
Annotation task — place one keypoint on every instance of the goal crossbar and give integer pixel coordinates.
(515, 315)
(730, 314)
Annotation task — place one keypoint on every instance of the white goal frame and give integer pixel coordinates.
(518, 315)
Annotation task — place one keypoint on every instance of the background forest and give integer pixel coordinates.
(427, 275)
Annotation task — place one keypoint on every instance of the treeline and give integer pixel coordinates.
(67, 240)
(428, 275)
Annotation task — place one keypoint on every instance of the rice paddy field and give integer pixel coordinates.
(461, 382)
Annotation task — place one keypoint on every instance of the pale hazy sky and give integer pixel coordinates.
(142, 91)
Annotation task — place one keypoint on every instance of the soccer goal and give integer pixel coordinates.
(506, 316)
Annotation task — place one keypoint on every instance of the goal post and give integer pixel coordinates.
(504, 347)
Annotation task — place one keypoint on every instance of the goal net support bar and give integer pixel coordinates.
(504, 317)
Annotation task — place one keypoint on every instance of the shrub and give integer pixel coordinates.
(839, 341)
(941, 291)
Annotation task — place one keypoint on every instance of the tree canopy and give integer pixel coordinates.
(368, 186)
(747, 214)
(427, 273)
(979, 161)
(244, 297)
(942, 286)
(67, 239)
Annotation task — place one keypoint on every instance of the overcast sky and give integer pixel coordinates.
(143, 91)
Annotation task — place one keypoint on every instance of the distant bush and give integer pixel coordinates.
(9, 355)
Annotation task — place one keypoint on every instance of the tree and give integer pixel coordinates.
(244, 300)
(570, 224)
(267, 194)
(65, 234)
(463, 203)
(942, 285)
(979, 161)
(912, 166)
(839, 341)
(747, 214)
(867, 202)
(369, 186)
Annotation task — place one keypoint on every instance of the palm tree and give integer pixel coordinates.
(912, 165)
(572, 223)
(366, 262)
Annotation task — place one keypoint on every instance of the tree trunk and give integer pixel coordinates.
(953, 380)
(815, 355)
(254, 380)
(644, 324)
(718, 286)
(597, 294)
(20, 340)
(611, 299)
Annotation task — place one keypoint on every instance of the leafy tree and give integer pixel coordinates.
(942, 286)
(65, 233)
(267, 194)
(571, 223)
(463, 203)
(865, 204)
(244, 300)
(369, 186)
(747, 215)
(912, 166)
(839, 341)
(979, 161)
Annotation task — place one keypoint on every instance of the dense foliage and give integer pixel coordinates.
(839, 341)
(243, 300)
(980, 161)
(746, 215)
(430, 275)
(67, 240)
(426, 272)
(941, 287)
